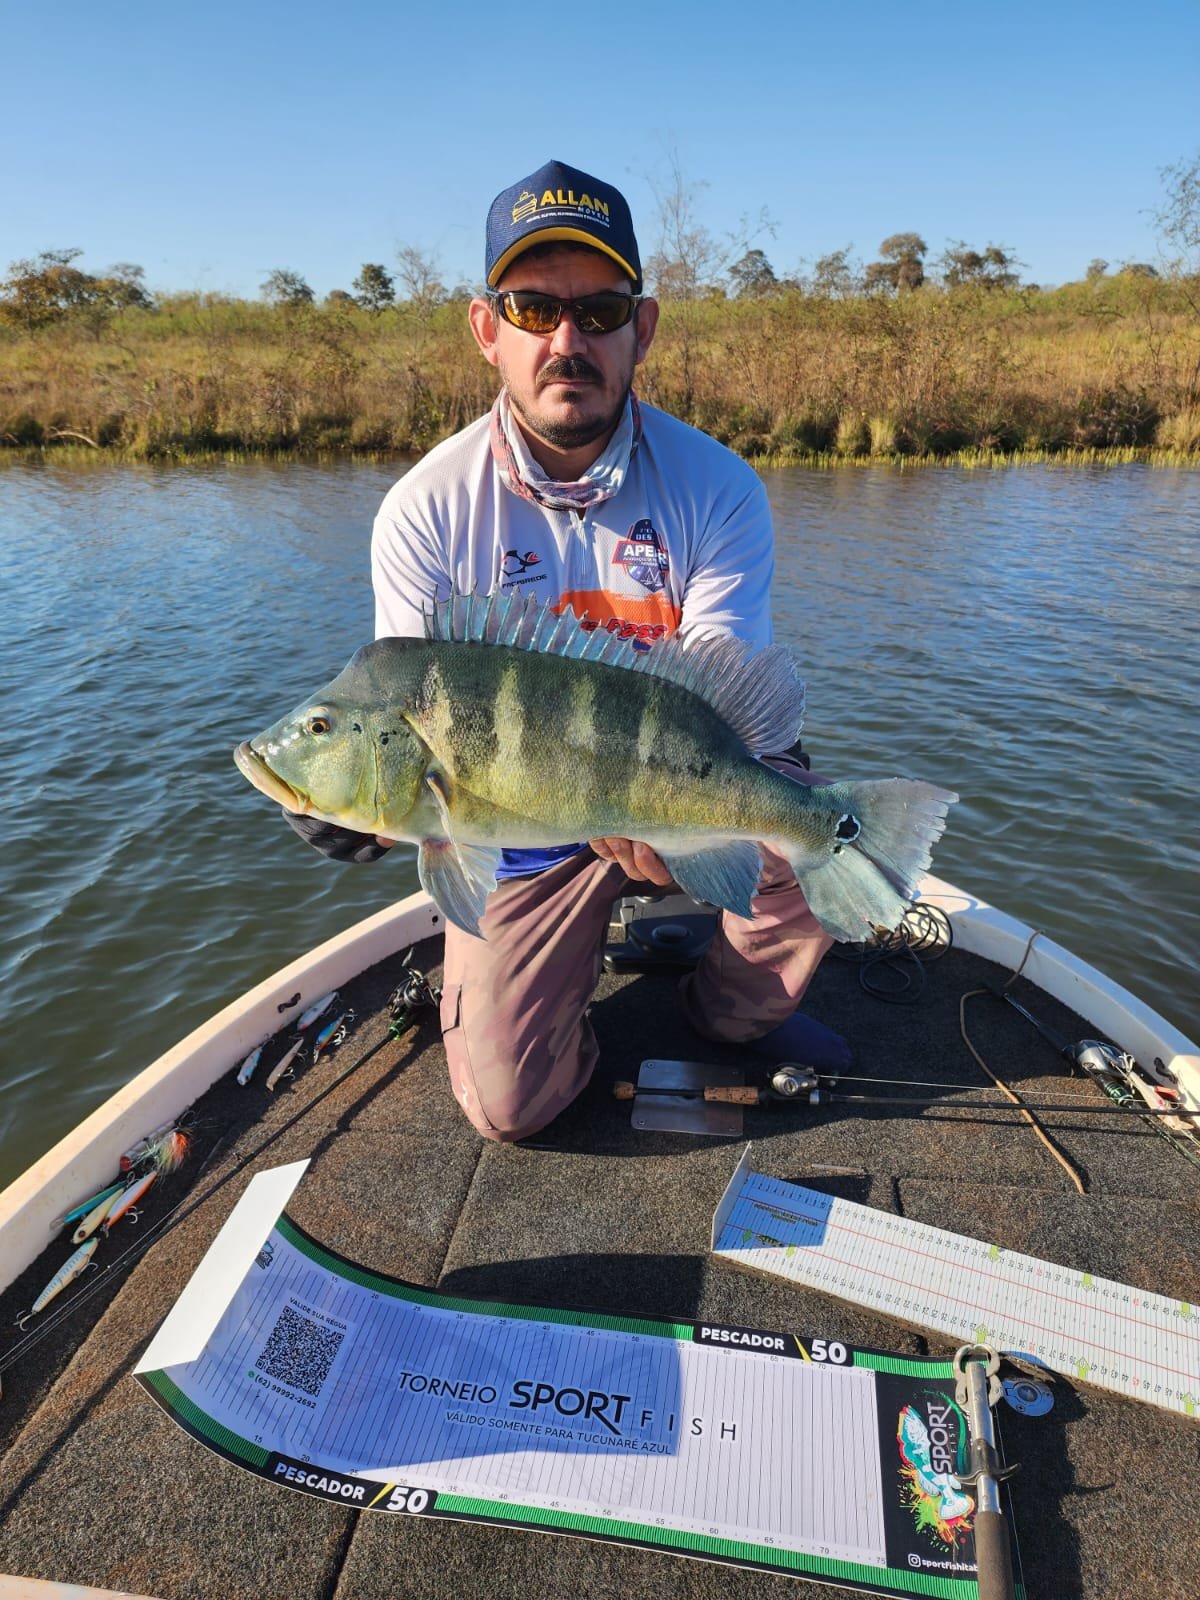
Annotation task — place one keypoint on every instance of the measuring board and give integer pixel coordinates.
(803, 1457)
(1088, 1328)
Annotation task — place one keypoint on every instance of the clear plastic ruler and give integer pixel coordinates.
(1086, 1327)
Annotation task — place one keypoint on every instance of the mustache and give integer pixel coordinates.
(567, 367)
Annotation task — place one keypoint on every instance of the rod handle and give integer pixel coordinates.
(731, 1094)
(993, 1556)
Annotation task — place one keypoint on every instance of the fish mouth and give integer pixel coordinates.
(252, 766)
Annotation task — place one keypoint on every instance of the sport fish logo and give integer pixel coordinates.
(644, 556)
(932, 1453)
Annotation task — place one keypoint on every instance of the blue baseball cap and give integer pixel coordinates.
(558, 202)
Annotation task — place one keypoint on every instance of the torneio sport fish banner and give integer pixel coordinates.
(740, 1445)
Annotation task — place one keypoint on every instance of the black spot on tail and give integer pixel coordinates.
(847, 830)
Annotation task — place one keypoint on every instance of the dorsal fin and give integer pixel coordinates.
(756, 692)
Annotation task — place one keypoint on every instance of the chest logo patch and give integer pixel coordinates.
(514, 563)
(644, 556)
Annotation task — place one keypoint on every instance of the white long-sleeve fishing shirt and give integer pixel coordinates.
(684, 544)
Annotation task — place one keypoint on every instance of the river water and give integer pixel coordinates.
(1027, 637)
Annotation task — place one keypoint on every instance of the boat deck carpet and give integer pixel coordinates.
(98, 1486)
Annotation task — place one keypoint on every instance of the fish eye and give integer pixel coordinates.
(318, 725)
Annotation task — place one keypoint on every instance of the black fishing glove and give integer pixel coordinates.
(339, 844)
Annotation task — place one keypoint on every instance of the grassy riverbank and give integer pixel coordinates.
(1108, 370)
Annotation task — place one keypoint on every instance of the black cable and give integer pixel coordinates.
(902, 954)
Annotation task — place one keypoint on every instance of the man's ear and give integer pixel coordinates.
(483, 326)
(647, 322)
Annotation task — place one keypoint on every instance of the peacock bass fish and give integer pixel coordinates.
(512, 725)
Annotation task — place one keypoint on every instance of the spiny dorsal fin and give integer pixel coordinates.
(756, 692)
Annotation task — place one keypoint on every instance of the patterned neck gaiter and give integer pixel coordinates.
(523, 476)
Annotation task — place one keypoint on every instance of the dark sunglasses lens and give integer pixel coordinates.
(533, 313)
(603, 313)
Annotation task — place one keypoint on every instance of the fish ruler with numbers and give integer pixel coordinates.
(1088, 1328)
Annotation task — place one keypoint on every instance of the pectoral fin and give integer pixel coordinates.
(459, 877)
(725, 876)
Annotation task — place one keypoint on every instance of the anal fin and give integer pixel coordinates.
(726, 875)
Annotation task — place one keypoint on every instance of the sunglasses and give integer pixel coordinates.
(541, 313)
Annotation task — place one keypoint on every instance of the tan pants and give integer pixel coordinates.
(518, 1042)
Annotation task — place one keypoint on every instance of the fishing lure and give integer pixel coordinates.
(125, 1202)
(246, 1070)
(317, 1009)
(136, 1151)
(334, 1033)
(67, 1273)
(96, 1216)
(82, 1209)
(284, 1065)
(168, 1153)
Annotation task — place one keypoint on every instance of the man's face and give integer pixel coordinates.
(567, 388)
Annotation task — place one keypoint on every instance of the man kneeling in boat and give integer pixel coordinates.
(572, 491)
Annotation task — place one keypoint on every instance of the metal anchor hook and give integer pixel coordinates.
(981, 1355)
(977, 1391)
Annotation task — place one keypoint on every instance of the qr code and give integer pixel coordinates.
(299, 1352)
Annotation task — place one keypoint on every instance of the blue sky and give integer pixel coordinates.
(212, 144)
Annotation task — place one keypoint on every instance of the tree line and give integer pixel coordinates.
(688, 264)
(49, 288)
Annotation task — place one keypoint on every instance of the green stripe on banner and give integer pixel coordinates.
(486, 1308)
(722, 1549)
(175, 1400)
(902, 1366)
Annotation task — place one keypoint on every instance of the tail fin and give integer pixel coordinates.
(880, 835)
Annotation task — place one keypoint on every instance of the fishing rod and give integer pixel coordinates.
(813, 1092)
(1154, 1096)
(1092, 1056)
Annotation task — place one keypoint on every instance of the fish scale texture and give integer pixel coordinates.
(97, 1485)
